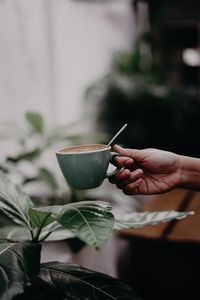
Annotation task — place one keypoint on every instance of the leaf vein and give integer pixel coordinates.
(79, 279)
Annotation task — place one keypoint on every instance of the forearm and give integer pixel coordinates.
(190, 173)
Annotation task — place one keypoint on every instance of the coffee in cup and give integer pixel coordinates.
(85, 166)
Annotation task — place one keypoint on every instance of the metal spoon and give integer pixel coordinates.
(116, 135)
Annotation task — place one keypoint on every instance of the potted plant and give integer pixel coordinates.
(24, 228)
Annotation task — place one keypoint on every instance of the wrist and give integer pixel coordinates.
(182, 171)
(189, 172)
(179, 173)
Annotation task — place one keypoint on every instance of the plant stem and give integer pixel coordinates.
(46, 236)
(36, 238)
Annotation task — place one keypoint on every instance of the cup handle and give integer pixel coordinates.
(108, 174)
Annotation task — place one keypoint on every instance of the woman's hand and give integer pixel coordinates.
(148, 171)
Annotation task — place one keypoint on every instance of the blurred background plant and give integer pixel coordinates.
(159, 113)
(29, 157)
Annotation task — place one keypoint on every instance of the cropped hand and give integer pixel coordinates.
(147, 171)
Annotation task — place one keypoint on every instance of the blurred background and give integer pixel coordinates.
(51, 52)
(74, 71)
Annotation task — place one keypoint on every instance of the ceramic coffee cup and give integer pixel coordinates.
(85, 166)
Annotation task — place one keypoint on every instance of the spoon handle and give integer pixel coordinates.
(116, 135)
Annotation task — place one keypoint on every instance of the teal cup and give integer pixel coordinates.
(85, 166)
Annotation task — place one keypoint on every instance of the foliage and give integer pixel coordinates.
(22, 277)
(29, 160)
(91, 221)
(19, 262)
(159, 114)
(24, 225)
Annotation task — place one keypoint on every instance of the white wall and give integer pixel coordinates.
(51, 50)
(24, 59)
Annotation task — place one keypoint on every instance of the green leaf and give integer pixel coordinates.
(18, 264)
(14, 202)
(137, 219)
(55, 232)
(36, 121)
(40, 218)
(74, 282)
(91, 221)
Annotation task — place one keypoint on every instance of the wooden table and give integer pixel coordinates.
(187, 229)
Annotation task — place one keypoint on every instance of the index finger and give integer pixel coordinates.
(123, 161)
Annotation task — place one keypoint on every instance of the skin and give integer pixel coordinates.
(153, 171)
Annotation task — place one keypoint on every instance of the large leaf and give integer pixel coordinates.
(137, 220)
(91, 221)
(36, 121)
(14, 202)
(40, 220)
(18, 264)
(74, 282)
